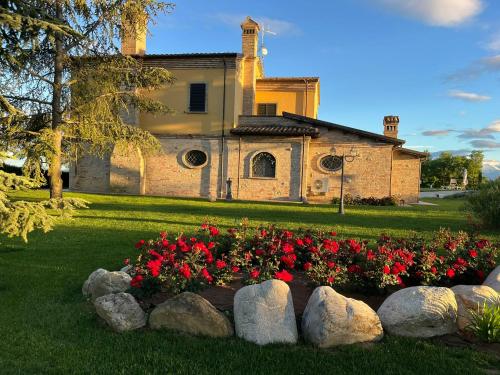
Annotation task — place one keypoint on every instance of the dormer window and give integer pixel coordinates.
(266, 109)
(198, 97)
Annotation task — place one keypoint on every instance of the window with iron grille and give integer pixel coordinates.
(266, 109)
(195, 158)
(197, 97)
(264, 165)
(331, 163)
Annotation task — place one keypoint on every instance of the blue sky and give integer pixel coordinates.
(435, 63)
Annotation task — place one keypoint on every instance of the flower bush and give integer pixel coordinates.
(209, 257)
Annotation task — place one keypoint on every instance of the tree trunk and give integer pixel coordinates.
(56, 159)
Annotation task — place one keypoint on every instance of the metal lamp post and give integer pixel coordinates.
(353, 154)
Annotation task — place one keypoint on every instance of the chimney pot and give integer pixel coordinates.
(391, 125)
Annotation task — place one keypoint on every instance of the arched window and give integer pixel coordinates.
(264, 165)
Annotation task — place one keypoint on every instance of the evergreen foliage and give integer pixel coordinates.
(64, 90)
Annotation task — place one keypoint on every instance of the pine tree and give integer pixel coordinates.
(66, 85)
(63, 90)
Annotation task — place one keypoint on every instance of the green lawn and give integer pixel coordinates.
(46, 326)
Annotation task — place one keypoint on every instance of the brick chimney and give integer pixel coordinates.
(134, 36)
(391, 124)
(250, 42)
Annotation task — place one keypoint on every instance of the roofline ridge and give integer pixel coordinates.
(317, 122)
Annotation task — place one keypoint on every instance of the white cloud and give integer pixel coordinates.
(436, 133)
(494, 127)
(489, 64)
(447, 13)
(468, 96)
(278, 26)
(494, 43)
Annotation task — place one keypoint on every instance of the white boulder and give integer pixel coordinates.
(264, 314)
(472, 297)
(190, 313)
(331, 319)
(90, 280)
(493, 280)
(420, 311)
(120, 311)
(103, 283)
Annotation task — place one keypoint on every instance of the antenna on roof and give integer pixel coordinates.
(263, 49)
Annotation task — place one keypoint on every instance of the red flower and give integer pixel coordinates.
(211, 245)
(172, 247)
(450, 273)
(370, 255)
(330, 264)
(482, 243)
(387, 270)
(354, 268)
(289, 260)
(254, 273)
(287, 234)
(154, 267)
(330, 280)
(354, 246)
(139, 244)
(206, 275)
(434, 270)
(259, 252)
(204, 226)
(126, 261)
(235, 269)
(313, 249)
(136, 282)
(333, 234)
(308, 240)
(472, 253)
(185, 271)
(284, 276)
(307, 266)
(164, 243)
(163, 235)
(287, 248)
(263, 233)
(299, 242)
(220, 264)
(398, 268)
(213, 231)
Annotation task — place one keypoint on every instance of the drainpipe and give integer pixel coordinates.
(302, 168)
(223, 135)
(307, 88)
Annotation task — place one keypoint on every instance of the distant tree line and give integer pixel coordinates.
(439, 171)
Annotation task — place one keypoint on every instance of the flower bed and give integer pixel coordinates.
(171, 264)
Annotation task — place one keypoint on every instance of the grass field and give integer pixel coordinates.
(47, 327)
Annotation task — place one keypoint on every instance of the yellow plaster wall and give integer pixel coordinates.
(176, 97)
(291, 100)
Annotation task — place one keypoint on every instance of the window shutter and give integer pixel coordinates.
(197, 97)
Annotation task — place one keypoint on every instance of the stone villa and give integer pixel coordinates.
(233, 122)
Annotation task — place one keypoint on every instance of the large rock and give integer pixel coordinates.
(331, 319)
(493, 280)
(191, 313)
(472, 297)
(94, 275)
(264, 314)
(420, 311)
(120, 311)
(108, 283)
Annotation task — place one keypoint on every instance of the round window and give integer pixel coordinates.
(195, 158)
(331, 163)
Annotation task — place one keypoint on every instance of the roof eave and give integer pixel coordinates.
(316, 122)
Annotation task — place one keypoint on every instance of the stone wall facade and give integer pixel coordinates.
(378, 170)
(405, 182)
